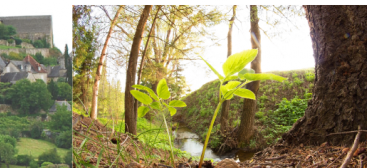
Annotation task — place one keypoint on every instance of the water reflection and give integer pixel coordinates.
(189, 142)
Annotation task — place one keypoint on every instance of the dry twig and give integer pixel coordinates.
(351, 151)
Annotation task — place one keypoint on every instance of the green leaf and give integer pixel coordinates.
(255, 77)
(238, 61)
(172, 111)
(245, 71)
(142, 110)
(245, 93)
(177, 103)
(229, 86)
(215, 71)
(162, 89)
(150, 91)
(155, 105)
(142, 97)
(230, 78)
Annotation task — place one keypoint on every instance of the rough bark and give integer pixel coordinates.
(130, 115)
(226, 104)
(143, 57)
(248, 111)
(97, 78)
(339, 101)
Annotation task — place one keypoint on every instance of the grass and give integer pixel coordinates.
(6, 47)
(3, 165)
(36, 147)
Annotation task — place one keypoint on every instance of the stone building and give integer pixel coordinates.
(31, 27)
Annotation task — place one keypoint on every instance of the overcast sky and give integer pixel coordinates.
(61, 17)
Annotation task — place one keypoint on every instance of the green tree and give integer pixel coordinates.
(39, 58)
(68, 66)
(38, 44)
(33, 164)
(84, 46)
(69, 157)
(36, 130)
(7, 149)
(60, 121)
(29, 97)
(24, 160)
(49, 156)
(64, 140)
(6, 31)
(53, 89)
(64, 91)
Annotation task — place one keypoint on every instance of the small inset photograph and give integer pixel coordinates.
(35, 86)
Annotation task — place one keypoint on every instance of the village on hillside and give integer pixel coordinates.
(35, 94)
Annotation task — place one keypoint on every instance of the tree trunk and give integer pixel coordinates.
(249, 106)
(143, 56)
(93, 113)
(339, 101)
(226, 104)
(130, 115)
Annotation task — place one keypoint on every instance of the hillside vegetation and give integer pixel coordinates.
(279, 105)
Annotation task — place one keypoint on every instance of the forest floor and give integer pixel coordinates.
(92, 146)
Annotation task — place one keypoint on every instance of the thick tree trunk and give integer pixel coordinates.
(339, 101)
(143, 57)
(226, 104)
(93, 113)
(130, 115)
(248, 113)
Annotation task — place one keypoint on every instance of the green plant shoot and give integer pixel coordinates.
(238, 76)
(159, 105)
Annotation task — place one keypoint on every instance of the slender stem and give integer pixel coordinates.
(169, 140)
(208, 134)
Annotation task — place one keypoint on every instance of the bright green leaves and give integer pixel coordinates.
(177, 103)
(155, 105)
(142, 110)
(234, 63)
(215, 71)
(238, 61)
(162, 90)
(142, 97)
(245, 93)
(244, 71)
(150, 91)
(255, 77)
(172, 111)
(163, 93)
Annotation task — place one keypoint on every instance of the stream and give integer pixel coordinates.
(188, 141)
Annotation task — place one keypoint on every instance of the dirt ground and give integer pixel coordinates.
(100, 145)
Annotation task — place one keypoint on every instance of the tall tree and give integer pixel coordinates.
(225, 106)
(339, 99)
(94, 113)
(84, 46)
(143, 56)
(245, 130)
(68, 66)
(130, 115)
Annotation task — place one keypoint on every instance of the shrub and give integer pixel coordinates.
(49, 156)
(10, 41)
(295, 75)
(298, 81)
(18, 41)
(289, 112)
(310, 76)
(24, 160)
(64, 140)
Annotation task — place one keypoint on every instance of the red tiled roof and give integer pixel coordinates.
(34, 64)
